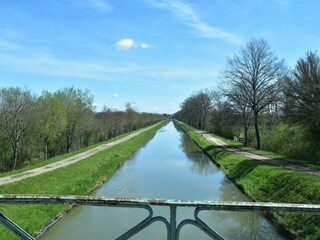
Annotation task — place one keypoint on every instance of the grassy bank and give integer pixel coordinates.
(39, 163)
(308, 163)
(268, 183)
(77, 179)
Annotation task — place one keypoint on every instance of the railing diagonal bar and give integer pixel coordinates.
(14, 228)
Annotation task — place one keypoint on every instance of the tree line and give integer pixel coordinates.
(263, 102)
(34, 128)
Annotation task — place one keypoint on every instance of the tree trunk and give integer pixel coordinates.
(69, 142)
(246, 135)
(46, 149)
(15, 146)
(256, 127)
(15, 155)
(79, 142)
(15, 158)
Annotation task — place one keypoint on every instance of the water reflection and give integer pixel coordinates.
(241, 225)
(170, 166)
(202, 166)
(199, 162)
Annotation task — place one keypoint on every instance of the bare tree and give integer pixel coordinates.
(253, 76)
(237, 100)
(195, 109)
(303, 90)
(190, 111)
(131, 117)
(15, 117)
(302, 93)
(205, 99)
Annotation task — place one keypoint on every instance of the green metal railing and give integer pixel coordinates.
(173, 230)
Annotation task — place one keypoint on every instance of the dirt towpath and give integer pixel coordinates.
(274, 161)
(67, 161)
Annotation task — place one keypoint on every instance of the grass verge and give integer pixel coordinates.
(41, 163)
(77, 179)
(313, 164)
(264, 182)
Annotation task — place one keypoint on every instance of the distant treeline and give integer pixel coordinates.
(263, 102)
(39, 127)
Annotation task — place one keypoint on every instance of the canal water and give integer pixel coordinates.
(170, 166)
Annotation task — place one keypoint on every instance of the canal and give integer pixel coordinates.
(170, 166)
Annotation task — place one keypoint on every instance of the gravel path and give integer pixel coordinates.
(67, 161)
(278, 162)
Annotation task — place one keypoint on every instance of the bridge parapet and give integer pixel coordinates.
(173, 230)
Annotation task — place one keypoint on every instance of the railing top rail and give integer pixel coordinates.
(113, 201)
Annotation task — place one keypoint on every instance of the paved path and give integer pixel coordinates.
(278, 162)
(67, 161)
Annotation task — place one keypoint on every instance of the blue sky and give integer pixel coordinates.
(151, 53)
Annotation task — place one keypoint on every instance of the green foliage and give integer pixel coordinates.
(223, 120)
(268, 183)
(291, 140)
(285, 139)
(78, 179)
(78, 106)
(51, 120)
(34, 128)
(16, 111)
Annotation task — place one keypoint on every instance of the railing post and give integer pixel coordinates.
(173, 223)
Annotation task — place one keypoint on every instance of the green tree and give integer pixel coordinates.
(51, 119)
(223, 120)
(78, 105)
(16, 117)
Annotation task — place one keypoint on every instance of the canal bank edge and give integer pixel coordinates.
(60, 215)
(79, 179)
(264, 182)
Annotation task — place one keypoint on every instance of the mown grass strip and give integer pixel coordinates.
(264, 182)
(78, 179)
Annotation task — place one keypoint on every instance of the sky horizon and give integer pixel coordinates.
(151, 53)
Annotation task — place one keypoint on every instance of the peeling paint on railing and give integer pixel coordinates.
(173, 230)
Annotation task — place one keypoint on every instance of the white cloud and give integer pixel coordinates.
(115, 95)
(185, 13)
(144, 45)
(16, 56)
(125, 44)
(42, 63)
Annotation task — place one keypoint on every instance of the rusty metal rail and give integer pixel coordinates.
(173, 230)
